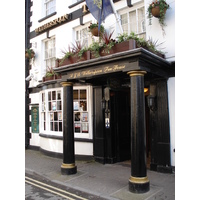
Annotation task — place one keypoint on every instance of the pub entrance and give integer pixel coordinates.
(112, 139)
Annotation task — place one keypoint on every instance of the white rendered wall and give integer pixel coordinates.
(154, 31)
(171, 101)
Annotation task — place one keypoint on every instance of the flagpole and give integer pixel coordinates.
(116, 17)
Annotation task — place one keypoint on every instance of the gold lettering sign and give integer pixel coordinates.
(104, 70)
(48, 25)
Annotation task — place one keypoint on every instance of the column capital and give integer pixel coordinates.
(64, 84)
(136, 73)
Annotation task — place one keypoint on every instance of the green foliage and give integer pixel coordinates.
(94, 25)
(95, 48)
(163, 6)
(50, 72)
(29, 51)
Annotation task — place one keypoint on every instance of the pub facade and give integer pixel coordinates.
(115, 107)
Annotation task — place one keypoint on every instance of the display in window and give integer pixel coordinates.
(51, 116)
(83, 106)
(77, 127)
(60, 116)
(54, 106)
(84, 127)
(59, 95)
(84, 117)
(76, 106)
(59, 105)
(77, 116)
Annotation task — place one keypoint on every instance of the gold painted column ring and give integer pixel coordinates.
(136, 73)
(65, 84)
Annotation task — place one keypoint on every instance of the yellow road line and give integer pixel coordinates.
(60, 190)
(49, 190)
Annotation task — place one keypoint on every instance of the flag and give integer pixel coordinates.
(100, 9)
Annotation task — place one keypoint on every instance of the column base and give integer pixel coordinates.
(138, 184)
(68, 169)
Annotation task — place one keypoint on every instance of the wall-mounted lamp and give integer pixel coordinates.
(103, 104)
(151, 100)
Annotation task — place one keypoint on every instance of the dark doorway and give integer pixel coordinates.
(113, 144)
(120, 123)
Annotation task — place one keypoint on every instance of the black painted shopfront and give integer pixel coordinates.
(126, 124)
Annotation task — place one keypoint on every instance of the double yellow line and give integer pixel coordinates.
(52, 189)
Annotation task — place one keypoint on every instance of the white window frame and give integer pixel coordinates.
(88, 135)
(142, 24)
(53, 7)
(89, 111)
(78, 31)
(47, 112)
(49, 53)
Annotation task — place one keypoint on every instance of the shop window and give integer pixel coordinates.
(134, 21)
(81, 122)
(51, 111)
(51, 107)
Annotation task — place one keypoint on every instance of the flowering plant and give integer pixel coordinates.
(162, 6)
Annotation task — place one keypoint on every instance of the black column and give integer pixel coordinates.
(68, 166)
(138, 182)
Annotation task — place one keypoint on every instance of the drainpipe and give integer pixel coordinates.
(27, 45)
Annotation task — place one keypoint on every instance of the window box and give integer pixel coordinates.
(49, 78)
(73, 59)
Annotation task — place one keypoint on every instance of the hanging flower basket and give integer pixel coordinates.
(29, 53)
(93, 28)
(156, 11)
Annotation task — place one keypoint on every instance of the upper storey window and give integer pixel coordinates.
(134, 21)
(50, 6)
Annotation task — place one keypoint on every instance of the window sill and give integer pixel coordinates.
(75, 4)
(44, 18)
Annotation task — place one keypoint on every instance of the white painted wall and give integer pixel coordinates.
(171, 102)
(154, 31)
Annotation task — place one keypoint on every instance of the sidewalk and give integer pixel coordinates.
(108, 181)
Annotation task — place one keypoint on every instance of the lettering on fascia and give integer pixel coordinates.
(50, 24)
(94, 72)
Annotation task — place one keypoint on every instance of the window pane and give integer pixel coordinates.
(75, 94)
(51, 126)
(49, 106)
(77, 116)
(133, 21)
(85, 128)
(55, 116)
(59, 105)
(60, 126)
(55, 126)
(51, 116)
(44, 125)
(49, 96)
(58, 95)
(83, 105)
(60, 116)
(141, 20)
(54, 95)
(77, 127)
(82, 94)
